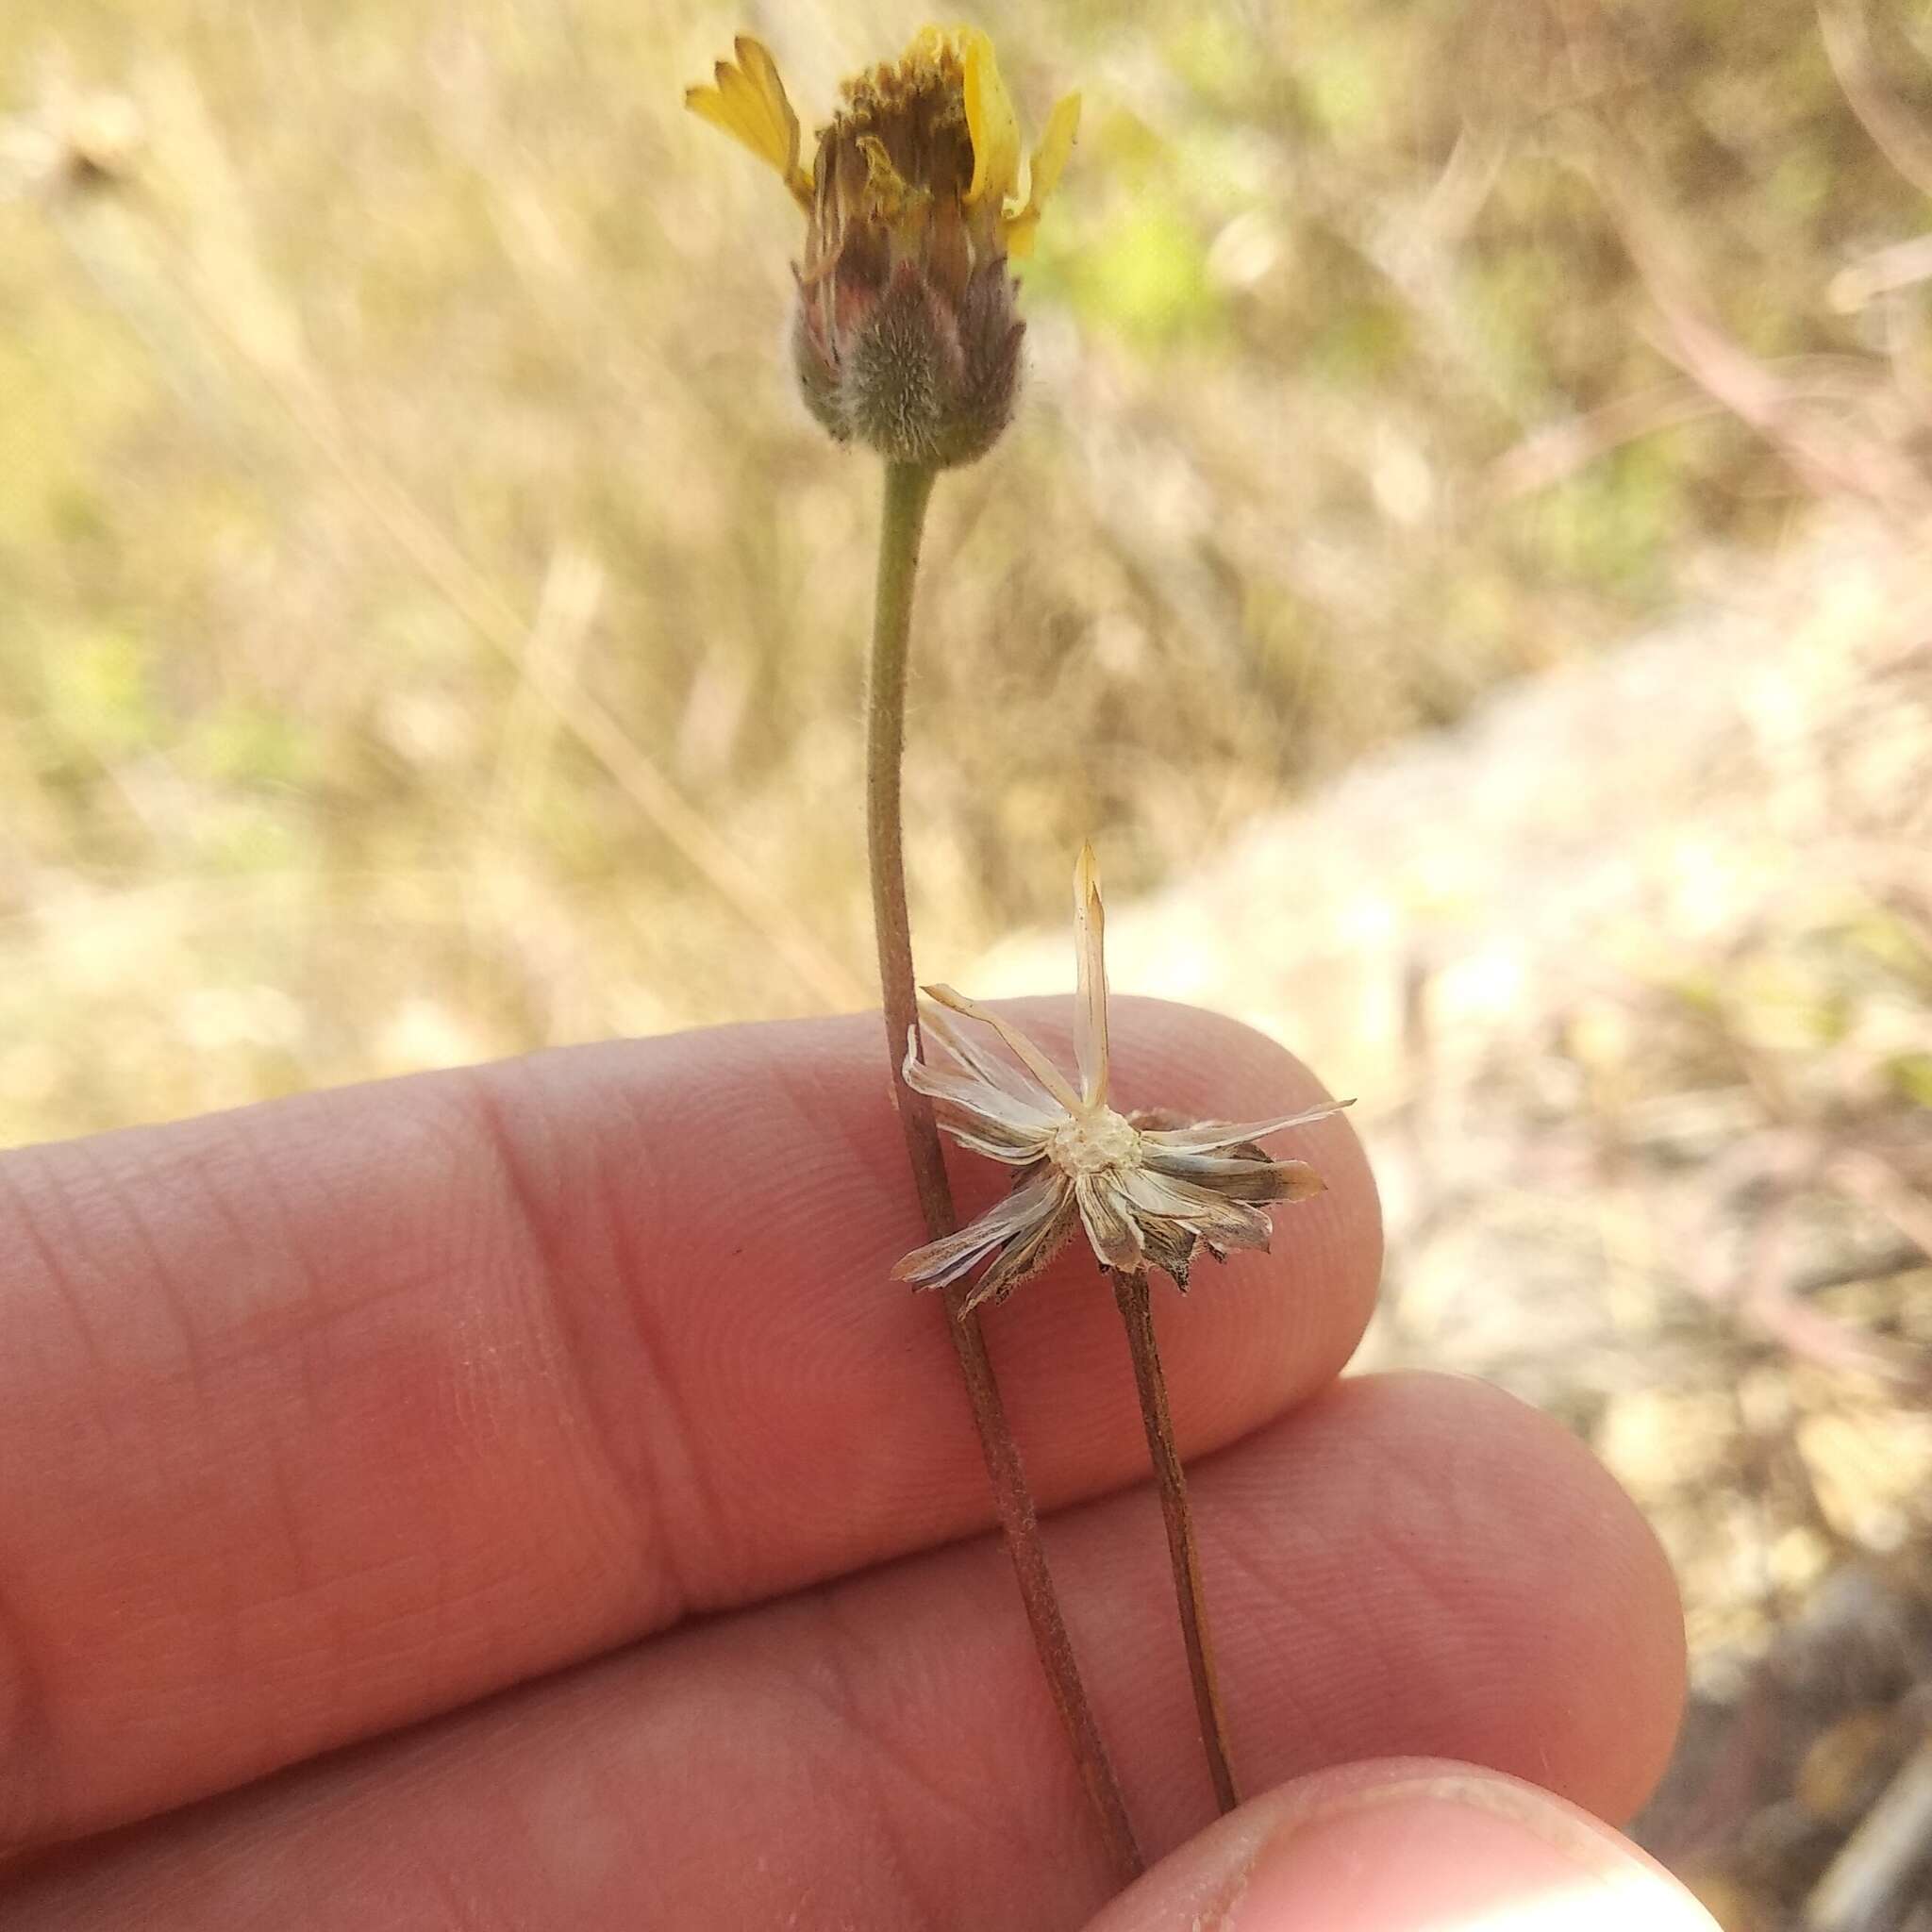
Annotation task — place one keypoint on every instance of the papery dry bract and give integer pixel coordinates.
(1149, 1191)
(905, 336)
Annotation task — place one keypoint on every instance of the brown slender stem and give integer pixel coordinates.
(1137, 1311)
(908, 487)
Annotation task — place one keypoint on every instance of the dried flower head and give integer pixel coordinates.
(1149, 1191)
(905, 335)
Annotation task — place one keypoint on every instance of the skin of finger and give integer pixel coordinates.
(325, 1415)
(1404, 1566)
(1406, 1845)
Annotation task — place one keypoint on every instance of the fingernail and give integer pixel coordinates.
(1453, 1851)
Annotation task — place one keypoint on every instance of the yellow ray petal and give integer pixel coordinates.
(991, 123)
(749, 103)
(1055, 145)
(1049, 162)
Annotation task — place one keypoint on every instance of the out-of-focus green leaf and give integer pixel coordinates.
(1146, 275)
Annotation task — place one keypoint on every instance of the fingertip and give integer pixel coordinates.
(1614, 1615)
(1407, 1846)
(1428, 1566)
(1558, 1578)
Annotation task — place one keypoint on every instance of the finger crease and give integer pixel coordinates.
(888, 1768)
(651, 1551)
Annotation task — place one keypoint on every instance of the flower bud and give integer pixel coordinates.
(920, 376)
(906, 336)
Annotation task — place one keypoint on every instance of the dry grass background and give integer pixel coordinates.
(429, 630)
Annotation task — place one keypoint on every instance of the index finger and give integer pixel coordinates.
(325, 1415)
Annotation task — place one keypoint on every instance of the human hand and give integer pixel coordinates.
(550, 1436)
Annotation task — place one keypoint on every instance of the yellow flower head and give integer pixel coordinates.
(918, 194)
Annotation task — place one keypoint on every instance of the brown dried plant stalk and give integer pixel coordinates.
(1136, 1304)
(1150, 1189)
(908, 490)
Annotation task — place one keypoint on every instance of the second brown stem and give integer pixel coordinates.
(1171, 1478)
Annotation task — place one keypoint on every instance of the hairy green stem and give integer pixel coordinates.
(1136, 1311)
(908, 488)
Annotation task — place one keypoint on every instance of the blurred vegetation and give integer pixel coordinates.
(428, 626)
